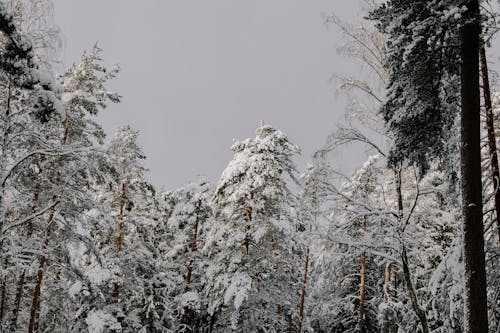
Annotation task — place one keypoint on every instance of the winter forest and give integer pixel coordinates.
(409, 241)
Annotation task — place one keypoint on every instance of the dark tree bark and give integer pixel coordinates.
(35, 304)
(3, 295)
(476, 316)
(492, 145)
(119, 238)
(385, 320)
(303, 294)
(17, 303)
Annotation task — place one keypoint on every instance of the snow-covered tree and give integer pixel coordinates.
(254, 274)
(191, 214)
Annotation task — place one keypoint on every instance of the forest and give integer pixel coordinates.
(408, 242)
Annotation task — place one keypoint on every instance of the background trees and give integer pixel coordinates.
(88, 244)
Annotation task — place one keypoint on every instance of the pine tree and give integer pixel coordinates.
(430, 46)
(254, 276)
(187, 223)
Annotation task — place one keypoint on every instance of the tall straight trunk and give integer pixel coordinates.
(35, 304)
(476, 315)
(385, 319)
(362, 315)
(492, 145)
(17, 302)
(22, 277)
(303, 294)
(119, 237)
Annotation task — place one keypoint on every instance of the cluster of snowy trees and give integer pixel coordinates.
(88, 244)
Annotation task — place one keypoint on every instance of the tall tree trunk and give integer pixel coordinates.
(17, 302)
(22, 277)
(119, 236)
(476, 315)
(385, 320)
(35, 304)
(303, 294)
(362, 315)
(492, 145)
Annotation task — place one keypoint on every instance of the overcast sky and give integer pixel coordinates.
(197, 74)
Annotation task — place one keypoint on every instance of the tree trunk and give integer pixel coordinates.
(194, 247)
(492, 145)
(3, 294)
(248, 214)
(67, 122)
(385, 320)
(17, 303)
(361, 323)
(119, 237)
(35, 304)
(422, 317)
(22, 278)
(303, 295)
(213, 319)
(476, 315)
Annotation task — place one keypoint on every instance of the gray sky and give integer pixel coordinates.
(197, 74)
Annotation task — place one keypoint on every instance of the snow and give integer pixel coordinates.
(97, 274)
(75, 289)
(238, 289)
(99, 322)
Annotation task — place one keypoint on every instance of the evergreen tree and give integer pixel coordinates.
(254, 275)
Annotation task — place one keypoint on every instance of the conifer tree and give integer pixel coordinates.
(254, 276)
